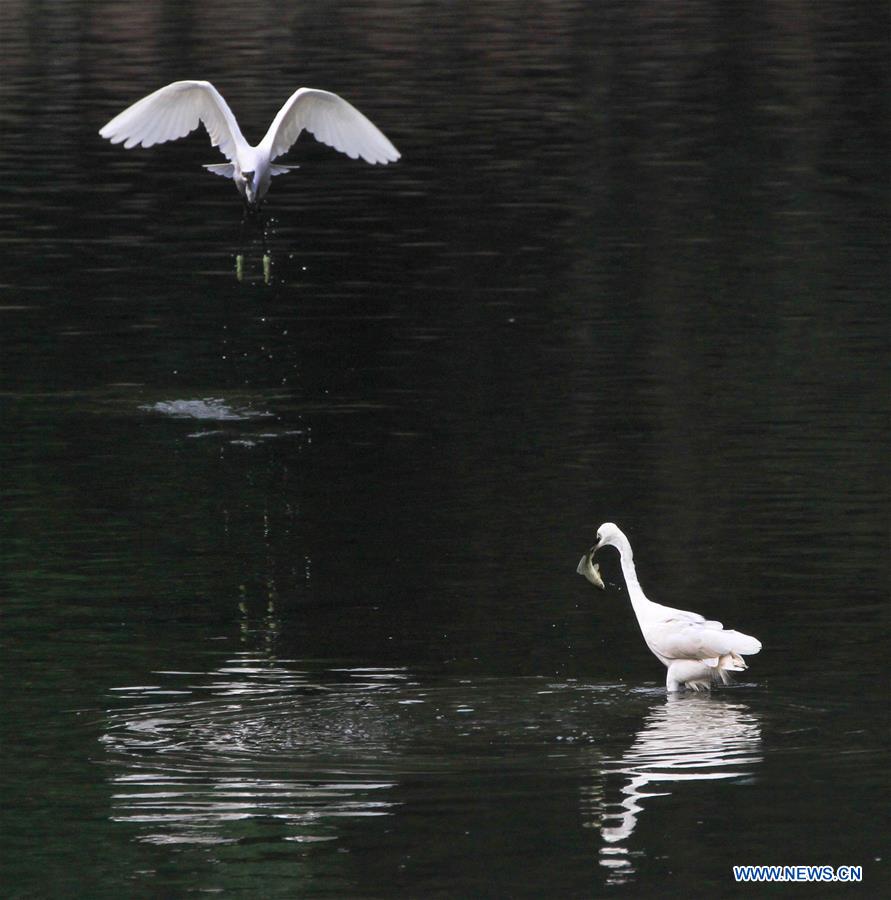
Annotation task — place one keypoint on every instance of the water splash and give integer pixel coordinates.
(215, 408)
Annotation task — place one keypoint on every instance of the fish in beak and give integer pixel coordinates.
(590, 570)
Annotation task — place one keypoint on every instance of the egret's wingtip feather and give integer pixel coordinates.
(330, 120)
(746, 644)
(174, 111)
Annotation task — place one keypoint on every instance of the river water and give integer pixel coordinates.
(287, 569)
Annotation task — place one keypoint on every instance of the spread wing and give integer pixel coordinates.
(680, 638)
(173, 112)
(331, 120)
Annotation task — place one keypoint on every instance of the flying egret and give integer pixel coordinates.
(695, 650)
(176, 110)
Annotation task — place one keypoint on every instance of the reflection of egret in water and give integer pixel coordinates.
(684, 739)
(255, 750)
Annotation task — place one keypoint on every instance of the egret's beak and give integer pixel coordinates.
(250, 195)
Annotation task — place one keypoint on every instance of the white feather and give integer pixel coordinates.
(331, 120)
(174, 111)
(225, 170)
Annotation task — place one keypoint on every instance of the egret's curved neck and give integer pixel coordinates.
(635, 593)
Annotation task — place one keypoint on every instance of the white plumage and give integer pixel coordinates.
(176, 110)
(695, 650)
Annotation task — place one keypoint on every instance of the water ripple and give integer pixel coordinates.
(256, 743)
(269, 745)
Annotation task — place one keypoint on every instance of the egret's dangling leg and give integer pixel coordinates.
(267, 258)
(252, 220)
(239, 257)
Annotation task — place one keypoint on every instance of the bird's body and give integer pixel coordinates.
(696, 651)
(176, 110)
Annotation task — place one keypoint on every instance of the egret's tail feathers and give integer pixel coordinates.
(276, 169)
(225, 170)
(742, 644)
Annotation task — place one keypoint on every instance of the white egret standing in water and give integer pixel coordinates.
(695, 650)
(176, 110)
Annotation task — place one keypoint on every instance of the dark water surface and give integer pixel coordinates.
(288, 571)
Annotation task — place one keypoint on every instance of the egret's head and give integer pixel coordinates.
(250, 187)
(609, 535)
